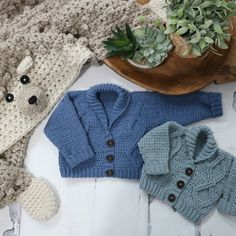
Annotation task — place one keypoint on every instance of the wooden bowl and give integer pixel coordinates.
(182, 75)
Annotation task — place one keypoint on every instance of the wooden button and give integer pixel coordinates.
(110, 143)
(171, 198)
(109, 173)
(110, 158)
(189, 171)
(180, 184)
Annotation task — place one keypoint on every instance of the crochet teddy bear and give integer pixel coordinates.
(43, 46)
(28, 92)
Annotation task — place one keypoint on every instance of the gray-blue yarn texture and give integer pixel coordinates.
(186, 169)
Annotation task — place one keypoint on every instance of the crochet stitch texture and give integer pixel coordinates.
(49, 41)
(17, 185)
(97, 130)
(13, 177)
(185, 168)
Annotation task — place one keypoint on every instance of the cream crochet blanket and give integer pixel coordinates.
(49, 41)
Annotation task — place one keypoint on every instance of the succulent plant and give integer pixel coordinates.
(202, 23)
(146, 44)
(154, 45)
(123, 43)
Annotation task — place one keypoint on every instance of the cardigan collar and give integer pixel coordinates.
(201, 143)
(119, 107)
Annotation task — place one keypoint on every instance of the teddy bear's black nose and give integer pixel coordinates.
(32, 100)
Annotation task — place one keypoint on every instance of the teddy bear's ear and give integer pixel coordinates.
(25, 65)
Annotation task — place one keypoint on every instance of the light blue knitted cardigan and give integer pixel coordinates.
(185, 168)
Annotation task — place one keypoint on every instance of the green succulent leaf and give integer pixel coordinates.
(130, 35)
(205, 4)
(180, 12)
(208, 40)
(196, 2)
(201, 22)
(202, 44)
(218, 28)
(182, 30)
(196, 38)
(160, 37)
(182, 23)
(171, 29)
(196, 52)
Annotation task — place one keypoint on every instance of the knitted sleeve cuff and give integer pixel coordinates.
(227, 203)
(216, 104)
(77, 158)
(156, 167)
(227, 207)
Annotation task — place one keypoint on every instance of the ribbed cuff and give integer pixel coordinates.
(152, 188)
(75, 159)
(226, 207)
(99, 172)
(227, 203)
(181, 206)
(189, 212)
(216, 104)
(157, 167)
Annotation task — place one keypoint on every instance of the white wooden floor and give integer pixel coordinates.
(116, 207)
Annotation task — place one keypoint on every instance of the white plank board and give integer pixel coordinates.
(115, 207)
(5, 221)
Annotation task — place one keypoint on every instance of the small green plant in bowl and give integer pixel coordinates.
(144, 46)
(196, 26)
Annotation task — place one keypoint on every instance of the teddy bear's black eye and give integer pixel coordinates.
(9, 97)
(24, 79)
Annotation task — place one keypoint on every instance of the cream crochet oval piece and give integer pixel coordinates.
(39, 200)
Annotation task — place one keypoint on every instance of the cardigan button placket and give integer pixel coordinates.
(109, 172)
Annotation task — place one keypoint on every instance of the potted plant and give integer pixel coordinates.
(145, 46)
(196, 26)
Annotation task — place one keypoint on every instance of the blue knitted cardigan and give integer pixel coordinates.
(185, 168)
(97, 131)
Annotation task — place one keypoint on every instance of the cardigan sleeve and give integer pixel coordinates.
(227, 202)
(190, 108)
(155, 150)
(66, 132)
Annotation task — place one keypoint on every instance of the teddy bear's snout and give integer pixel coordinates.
(31, 100)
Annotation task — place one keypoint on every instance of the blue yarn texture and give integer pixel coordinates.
(84, 121)
(185, 168)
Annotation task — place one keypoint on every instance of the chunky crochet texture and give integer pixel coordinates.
(16, 184)
(13, 177)
(53, 73)
(97, 131)
(49, 41)
(39, 200)
(185, 168)
(59, 36)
